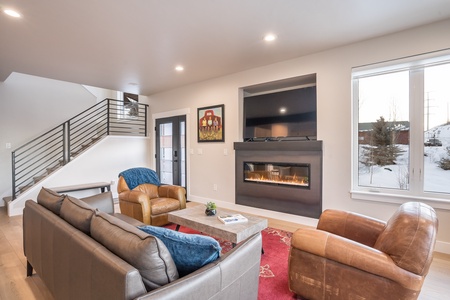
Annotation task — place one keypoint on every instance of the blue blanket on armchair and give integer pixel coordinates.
(136, 176)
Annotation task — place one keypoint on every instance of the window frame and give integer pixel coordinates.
(415, 65)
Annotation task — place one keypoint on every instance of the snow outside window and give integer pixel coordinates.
(401, 129)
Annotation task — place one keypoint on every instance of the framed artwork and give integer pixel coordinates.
(130, 105)
(211, 124)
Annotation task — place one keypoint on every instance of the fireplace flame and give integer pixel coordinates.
(275, 178)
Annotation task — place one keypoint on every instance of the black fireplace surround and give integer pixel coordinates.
(283, 176)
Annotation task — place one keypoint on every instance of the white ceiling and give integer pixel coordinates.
(134, 45)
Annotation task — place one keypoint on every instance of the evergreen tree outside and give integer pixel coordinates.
(444, 163)
(382, 149)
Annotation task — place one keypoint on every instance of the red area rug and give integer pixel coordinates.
(273, 274)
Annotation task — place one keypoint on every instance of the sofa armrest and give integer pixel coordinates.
(175, 192)
(234, 275)
(350, 253)
(135, 204)
(103, 202)
(73, 265)
(359, 228)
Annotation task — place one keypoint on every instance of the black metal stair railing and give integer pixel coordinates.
(43, 155)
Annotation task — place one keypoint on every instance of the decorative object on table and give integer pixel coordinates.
(211, 123)
(232, 219)
(210, 209)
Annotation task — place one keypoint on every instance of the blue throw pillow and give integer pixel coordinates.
(189, 251)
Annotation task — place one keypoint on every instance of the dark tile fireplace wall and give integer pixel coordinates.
(293, 200)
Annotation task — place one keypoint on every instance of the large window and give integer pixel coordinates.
(402, 128)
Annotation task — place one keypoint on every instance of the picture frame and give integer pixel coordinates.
(211, 124)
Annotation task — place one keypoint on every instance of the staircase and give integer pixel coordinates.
(45, 154)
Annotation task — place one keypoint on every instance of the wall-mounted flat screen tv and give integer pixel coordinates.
(284, 114)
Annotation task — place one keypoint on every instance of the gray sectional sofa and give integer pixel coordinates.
(82, 250)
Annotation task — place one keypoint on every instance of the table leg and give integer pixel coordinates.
(178, 228)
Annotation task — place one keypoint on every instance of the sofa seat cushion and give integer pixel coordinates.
(77, 213)
(163, 205)
(143, 251)
(189, 251)
(50, 200)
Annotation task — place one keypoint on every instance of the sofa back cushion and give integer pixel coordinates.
(50, 200)
(143, 251)
(410, 236)
(77, 213)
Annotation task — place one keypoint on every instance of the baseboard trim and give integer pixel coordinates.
(442, 247)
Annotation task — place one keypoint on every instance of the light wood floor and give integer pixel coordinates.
(14, 285)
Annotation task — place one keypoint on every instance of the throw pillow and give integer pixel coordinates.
(50, 200)
(145, 252)
(189, 251)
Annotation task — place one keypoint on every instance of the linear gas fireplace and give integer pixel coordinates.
(281, 176)
(288, 174)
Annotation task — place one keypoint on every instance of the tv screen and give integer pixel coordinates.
(291, 113)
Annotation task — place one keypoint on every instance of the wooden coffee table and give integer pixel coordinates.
(195, 218)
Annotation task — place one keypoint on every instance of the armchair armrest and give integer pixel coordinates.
(175, 192)
(359, 228)
(355, 255)
(135, 204)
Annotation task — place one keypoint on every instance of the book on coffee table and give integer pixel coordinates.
(232, 219)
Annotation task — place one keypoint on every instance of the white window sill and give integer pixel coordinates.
(437, 203)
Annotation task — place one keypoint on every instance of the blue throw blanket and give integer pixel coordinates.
(136, 176)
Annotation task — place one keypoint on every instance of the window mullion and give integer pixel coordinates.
(416, 90)
(355, 116)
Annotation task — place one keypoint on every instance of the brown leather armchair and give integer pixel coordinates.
(150, 203)
(351, 256)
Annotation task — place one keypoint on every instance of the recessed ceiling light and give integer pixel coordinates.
(270, 37)
(179, 68)
(12, 13)
(282, 110)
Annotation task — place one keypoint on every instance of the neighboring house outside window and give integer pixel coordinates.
(401, 129)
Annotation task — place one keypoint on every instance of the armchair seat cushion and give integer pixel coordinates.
(163, 205)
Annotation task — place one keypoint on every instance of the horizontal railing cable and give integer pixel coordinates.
(42, 155)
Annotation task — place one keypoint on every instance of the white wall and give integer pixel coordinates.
(100, 93)
(333, 70)
(101, 163)
(30, 106)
